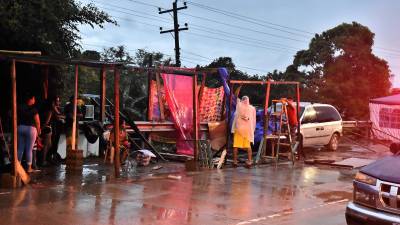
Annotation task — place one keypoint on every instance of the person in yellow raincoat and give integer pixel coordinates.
(243, 127)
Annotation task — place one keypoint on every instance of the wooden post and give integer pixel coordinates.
(74, 120)
(195, 120)
(149, 96)
(14, 116)
(298, 107)
(149, 90)
(160, 102)
(266, 119)
(103, 94)
(46, 82)
(116, 122)
(228, 112)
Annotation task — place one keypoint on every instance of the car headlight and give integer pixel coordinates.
(364, 178)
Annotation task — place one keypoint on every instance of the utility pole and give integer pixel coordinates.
(176, 29)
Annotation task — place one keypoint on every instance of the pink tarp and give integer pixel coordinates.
(179, 96)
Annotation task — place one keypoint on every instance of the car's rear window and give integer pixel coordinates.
(326, 114)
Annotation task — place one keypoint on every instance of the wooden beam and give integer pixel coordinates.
(149, 96)
(228, 111)
(103, 94)
(160, 102)
(21, 52)
(262, 82)
(201, 91)
(74, 119)
(117, 163)
(266, 118)
(298, 107)
(46, 82)
(195, 120)
(14, 116)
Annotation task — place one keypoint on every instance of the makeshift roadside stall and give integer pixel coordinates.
(74, 155)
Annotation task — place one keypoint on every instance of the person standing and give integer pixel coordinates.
(46, 115)
(57, 125)
(243, 127)
(28, 129)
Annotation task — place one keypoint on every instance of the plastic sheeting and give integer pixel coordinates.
(179, 96)
(385, 121)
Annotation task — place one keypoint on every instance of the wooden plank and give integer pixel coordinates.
(46, 82)
(14, 116)
(149, 96)
(103, 94)
(21, 52)
(261, 82)
(195, 120)
(160, 102)
(203, 84)
(116, 122)
(75, 101)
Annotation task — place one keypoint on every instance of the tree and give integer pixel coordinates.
(50, 26)
(256, 93)
(339, 68)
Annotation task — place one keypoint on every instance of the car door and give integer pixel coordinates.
(328, 120)
(308, 126)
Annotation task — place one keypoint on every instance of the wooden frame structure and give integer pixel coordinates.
(115, 67)
(14, 57)
(268, 84)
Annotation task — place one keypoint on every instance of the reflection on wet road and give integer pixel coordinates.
(267, 194)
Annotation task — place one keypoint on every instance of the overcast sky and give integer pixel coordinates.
(260, 36)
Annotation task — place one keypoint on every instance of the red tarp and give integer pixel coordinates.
(179, 96)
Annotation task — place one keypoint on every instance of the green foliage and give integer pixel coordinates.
(339, 68)
(256, 93)
(50, 26)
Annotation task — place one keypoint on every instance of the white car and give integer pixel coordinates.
(320, 124)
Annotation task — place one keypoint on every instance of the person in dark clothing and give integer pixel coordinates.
(28, 129)
(57, 124)
(48, 112)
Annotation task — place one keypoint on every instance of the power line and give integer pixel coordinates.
(236, 42)
(242, 28)
(253, 20)
(199, 27)
(231, 14)
(131, 10)
(239, 66)
(246, 42)
(244, 38)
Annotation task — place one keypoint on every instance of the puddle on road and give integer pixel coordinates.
(332, 196)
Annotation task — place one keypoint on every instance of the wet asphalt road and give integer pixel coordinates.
(269, 194)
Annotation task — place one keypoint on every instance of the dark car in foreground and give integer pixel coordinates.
(376, 195)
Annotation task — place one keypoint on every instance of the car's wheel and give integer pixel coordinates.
(334, 142)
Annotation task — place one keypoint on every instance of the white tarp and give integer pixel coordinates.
(385, 121)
